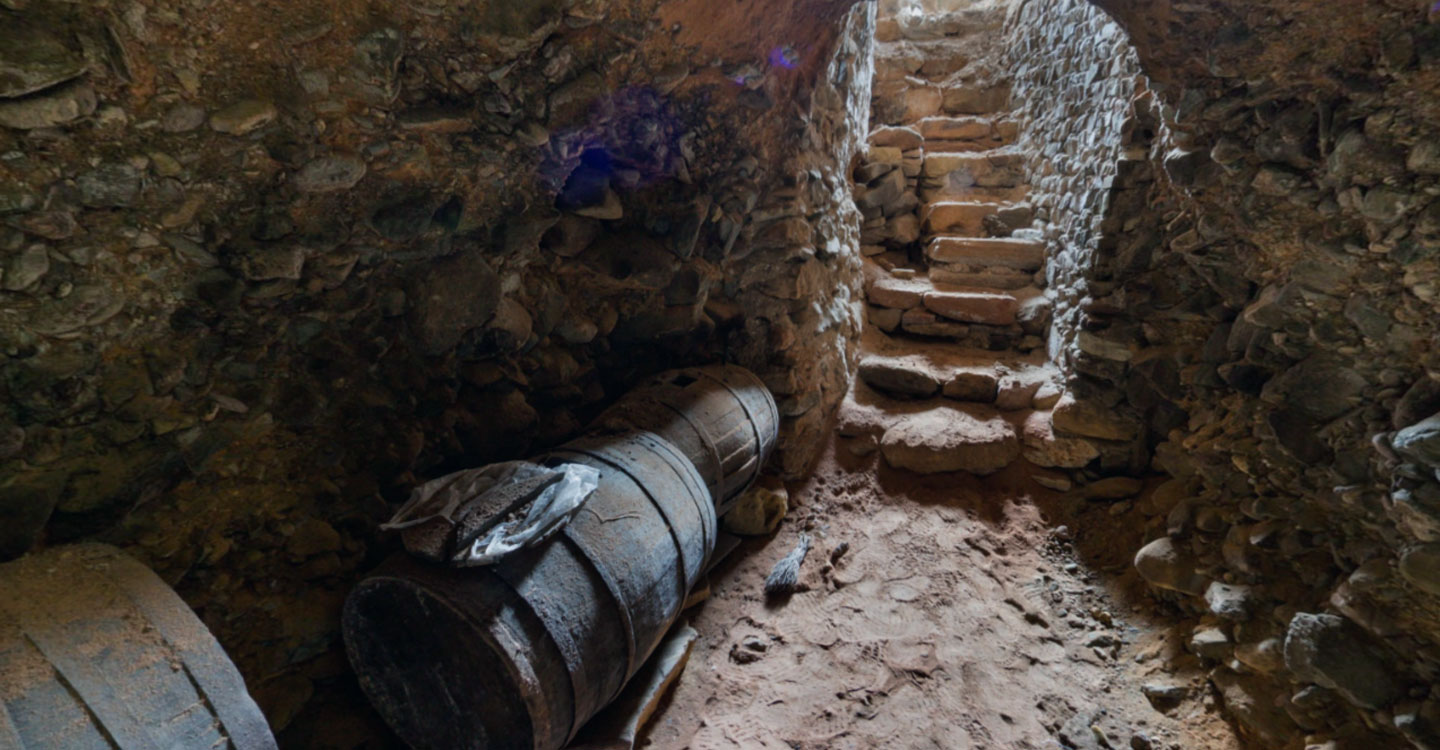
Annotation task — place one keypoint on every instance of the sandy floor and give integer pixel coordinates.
(963, 615)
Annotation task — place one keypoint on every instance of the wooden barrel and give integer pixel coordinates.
(97, 652)
(521, 653)
(721, 416)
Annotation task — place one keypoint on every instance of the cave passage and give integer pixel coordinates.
(973, 586)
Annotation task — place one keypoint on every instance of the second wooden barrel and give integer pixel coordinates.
(518, 655)
(721, 416)
(96, 652)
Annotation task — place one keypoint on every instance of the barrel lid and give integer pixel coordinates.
(439, 670)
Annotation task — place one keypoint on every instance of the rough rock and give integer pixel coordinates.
(1043, 448)
(907, 375)
(51, 108)
(32, 60)
(972, 385)
(109, 186)
(243, 117)
(1332, 652)
(458, 294)
(1250, 701)
(25, 268)
(329, 174)
(1420, 565)
(944, 438)
(1420, 441)
(1230, 601)
(1164, 565)
(1084, 418)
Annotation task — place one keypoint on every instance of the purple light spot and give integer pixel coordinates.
(739, 80)
(785, 57)
(1436, 7)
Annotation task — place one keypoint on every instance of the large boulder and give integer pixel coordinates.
(1332, 652)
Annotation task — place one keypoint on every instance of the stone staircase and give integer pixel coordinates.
(952, 374)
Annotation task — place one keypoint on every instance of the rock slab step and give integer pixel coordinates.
(946, 438)
(1007, 252)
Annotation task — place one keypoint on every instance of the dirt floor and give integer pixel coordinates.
(963, 615)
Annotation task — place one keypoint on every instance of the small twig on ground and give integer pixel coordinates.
(786, 573)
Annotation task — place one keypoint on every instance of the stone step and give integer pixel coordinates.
(923, 324)
(937, 435)
(989, 306)
(1002, 167)
(930, 191)
(941, 129)
(1007, 252)
(995, 277)
(974, 218)
(1007, 381)
(947, 439)
(902, 137)
(971, 100)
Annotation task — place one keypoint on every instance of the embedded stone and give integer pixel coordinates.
(1043, 448)
(458, 293)
(1420, 441)
(1230, 601)
(1210, 642)
(182, 118)
(1266, 656)
(925, 323)
(329, 174)
(109, 186)
(32, 60)
(1250, 700)
(1088, 419)
(901, 294)
(899, 137)
(575, 98)
(243, 117)
(908, 376)
(1321, 388)
(1112, 488)
(270, 263)
(979, 386)
(903, 229)
(1333, 652)
(1017, 390)
(25, 268)
(49, 109)
(1424, 158)
(1165, 566)
(886, 319)
(1103, 348)
(1420, 566)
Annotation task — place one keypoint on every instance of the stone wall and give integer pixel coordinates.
(1074, 74)
(1267, 327)
(797, 287)
(261, 278)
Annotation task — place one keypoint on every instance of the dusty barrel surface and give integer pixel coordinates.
(721, 416)
(520, 654)
(97, 652)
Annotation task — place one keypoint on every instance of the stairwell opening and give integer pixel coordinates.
(998, 132)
